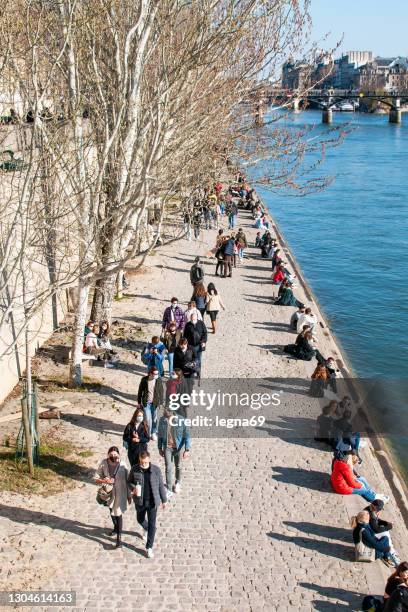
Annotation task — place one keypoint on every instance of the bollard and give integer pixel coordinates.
(327, 115)
(395, 115)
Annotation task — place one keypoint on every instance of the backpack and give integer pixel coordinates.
(197, 274)
(372, 604)
(146, 355)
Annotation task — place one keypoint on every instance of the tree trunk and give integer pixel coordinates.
(119, 285)
(103, 299)
(26, 407)
(78, 334)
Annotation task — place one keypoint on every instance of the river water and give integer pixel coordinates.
(351, 241)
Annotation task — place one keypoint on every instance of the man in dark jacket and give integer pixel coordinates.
(184, 358)
(242, 243)
(195, 333)
(228, 252)
(145, 481)
(150, 397)
(196, 272)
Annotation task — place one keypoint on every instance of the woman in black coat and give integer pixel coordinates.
(136, 436)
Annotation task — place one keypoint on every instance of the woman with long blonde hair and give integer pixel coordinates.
(364, 533)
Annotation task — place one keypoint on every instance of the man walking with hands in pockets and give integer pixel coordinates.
(148, 492)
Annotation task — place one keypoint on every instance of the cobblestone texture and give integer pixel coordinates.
(255, 527)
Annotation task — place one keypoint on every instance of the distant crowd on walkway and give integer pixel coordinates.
(174, 358)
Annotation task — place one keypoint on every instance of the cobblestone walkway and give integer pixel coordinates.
(255, 526)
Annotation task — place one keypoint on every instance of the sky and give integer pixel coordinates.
(368, 25)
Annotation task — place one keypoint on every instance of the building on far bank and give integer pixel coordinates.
(398, 75)
(359, 58)
(383, 73)
(296, 75)
(353, 70)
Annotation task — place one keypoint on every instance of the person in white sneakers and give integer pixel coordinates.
(149, 493)
(381, 527)
(174, 444)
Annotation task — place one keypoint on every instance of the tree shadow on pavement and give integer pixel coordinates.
(293, 430)
(296, 386)
(324, 531)
(277, 349)
(117, 395)
(93, 423)
(147, 296)
(141, 320)
(185, 259)
(255, 281)
(95, 533)
(328, 549)
(352, 598)
(307, 479)
(258, 298)
(136, 368)
(272, 326)
(328, 606)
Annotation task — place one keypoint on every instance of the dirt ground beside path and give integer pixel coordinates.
(255, 526)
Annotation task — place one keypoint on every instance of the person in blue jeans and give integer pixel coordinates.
(171, 339)
(364, 532)
(150, 397)
(345, 480)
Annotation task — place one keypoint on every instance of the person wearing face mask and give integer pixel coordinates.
(192, 309)
(195, 333)
(136, 436)
(178, 384)
(113, 471)
(150, 397)
(174, 445)
(171, 339)
(148, 491)
(184, 359)
(173, 313)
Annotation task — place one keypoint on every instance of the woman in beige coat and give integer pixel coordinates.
(213, 303)
(113, 471)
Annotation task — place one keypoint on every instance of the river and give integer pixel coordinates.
(351, 241)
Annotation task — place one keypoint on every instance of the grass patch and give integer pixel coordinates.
(62, 467)
(53, 384)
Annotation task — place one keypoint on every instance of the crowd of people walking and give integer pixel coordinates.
(176, 355)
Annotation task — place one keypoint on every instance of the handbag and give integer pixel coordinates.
(104, 495)
(363, 552)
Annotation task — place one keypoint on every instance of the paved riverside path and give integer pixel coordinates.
(255, 527)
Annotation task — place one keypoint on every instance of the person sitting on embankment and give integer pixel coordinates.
(303, 348)
(362, 532)
(287, 298)
(397, 578)
(295, 317)
(381, 527)
(346, 482)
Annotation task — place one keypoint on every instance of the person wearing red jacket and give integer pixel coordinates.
(345, 482)
(279, 275)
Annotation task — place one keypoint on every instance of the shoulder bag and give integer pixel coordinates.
(363, 552)
(104, 496)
